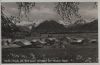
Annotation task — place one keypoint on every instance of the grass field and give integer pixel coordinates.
(51, 53)
(84, 35)
(70, 54)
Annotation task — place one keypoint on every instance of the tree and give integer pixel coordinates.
(14, 19)
(24, 9)
(6, 23)
(67, 10)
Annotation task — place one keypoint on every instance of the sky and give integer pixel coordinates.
(46, 11)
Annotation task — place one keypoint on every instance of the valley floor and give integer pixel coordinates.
(71, 54)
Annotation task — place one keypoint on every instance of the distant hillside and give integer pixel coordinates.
(46, 27)
(87, 27)
(23, 29)
(50, 27)
(92, 26)
(54, 27)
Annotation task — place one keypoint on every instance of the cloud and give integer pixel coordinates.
(43, 13)
(42, 10)
(89, 14)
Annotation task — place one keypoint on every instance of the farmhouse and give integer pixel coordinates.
(76, 41)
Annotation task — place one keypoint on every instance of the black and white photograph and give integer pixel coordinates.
(49, 32)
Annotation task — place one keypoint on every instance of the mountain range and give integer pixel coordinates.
(86, 27)
(49, 26)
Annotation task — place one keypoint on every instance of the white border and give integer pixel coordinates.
(54, 1)
(0, 32)
(49, 0)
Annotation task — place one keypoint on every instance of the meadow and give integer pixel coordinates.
(87, 53)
